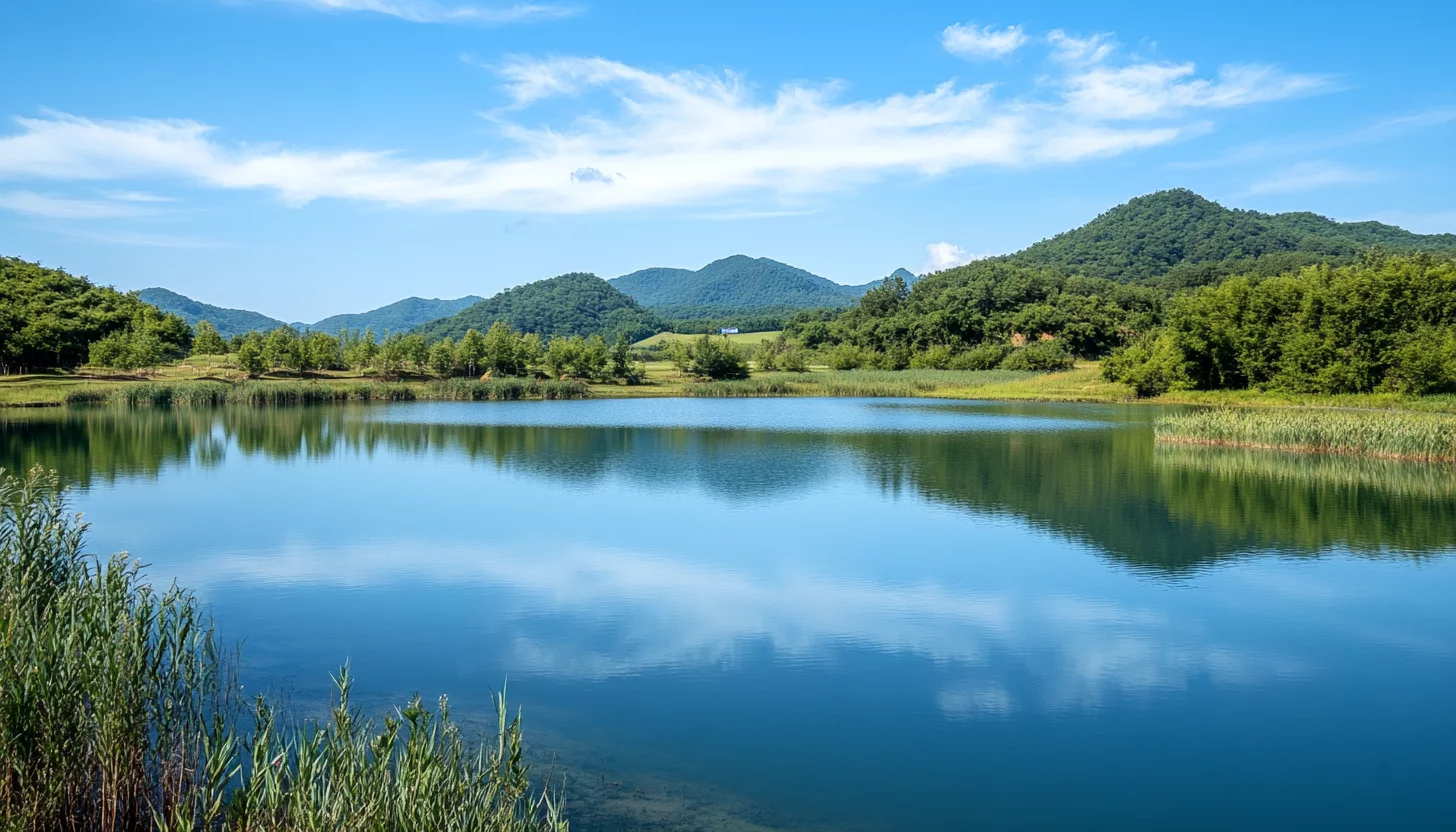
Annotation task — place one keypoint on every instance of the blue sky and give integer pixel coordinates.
(309, 157)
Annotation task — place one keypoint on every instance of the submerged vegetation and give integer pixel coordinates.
(1428, 437)
(118, 712)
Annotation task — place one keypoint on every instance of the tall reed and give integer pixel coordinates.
(505, 389)
(118, 713)
(1430, 437)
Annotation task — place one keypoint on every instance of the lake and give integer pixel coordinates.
(824, 614)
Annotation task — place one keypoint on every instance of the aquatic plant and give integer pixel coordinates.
(1392, 434)
(118, 712)
(505, 389)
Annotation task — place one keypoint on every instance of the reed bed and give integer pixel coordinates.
(118, 713)
(1427, 437)
(506, 389)
(855, 383)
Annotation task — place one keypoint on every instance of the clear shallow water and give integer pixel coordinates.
(827, 614)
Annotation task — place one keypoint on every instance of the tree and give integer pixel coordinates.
(442, 358)
(250, 355)
(206, 340)
(716, 357)
(500, 351)
(471, 351)
(621, 357)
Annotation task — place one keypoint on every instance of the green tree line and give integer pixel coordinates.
(1384, 323)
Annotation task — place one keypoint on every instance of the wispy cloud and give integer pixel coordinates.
(1091, 49)
(678, 138)
(54, 207)
(1308, 176)
(941, 256)
(971, 41)
(431, 11)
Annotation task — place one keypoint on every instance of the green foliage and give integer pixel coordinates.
(442, 358)
(1429, 437)
(848, 357)
(1038, 356)
(117, 712)
(572, 304)
(713, 357)
(1151, 236)
(732, 286)
(982, 357)
(1383, 323)
(49, 319)
(206, 340)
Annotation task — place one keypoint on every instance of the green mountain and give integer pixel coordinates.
(572, 304)
(733, 285)
(1180, 238)
(229, 322)
(399, 316)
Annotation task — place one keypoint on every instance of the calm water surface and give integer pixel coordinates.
(826, 614)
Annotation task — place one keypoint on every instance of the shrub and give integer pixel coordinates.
(715, 358)
(848, 357)
(982, 357)
(1039, 356)
(1151, 365)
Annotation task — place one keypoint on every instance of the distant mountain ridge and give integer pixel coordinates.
(229, 322)
(570, 304)
(735, 284)
(399, 316)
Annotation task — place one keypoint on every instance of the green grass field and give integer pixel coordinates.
(748, 338)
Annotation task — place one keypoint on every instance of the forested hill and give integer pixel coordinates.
(1180, 238)
(229, 322)
(49, 318)
(572, 304)
(731, 285)
(400, 316)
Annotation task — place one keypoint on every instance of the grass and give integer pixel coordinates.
(742, 338)
(506, 389)
(118, 713)
(1429, 437)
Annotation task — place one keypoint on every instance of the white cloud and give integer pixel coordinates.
(970, 41)
(1308, 176)
(1161, 90)
(673, 139)
(430, 11)
(41, 205)
(1074, 50)
(942, 256)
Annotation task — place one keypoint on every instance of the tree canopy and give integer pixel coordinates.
(571, 304)
(49, 318)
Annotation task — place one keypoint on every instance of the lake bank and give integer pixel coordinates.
(1084, 383)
